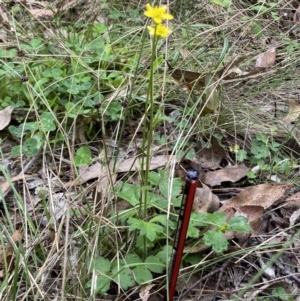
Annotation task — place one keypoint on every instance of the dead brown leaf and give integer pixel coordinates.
(195, 80)
(294, 110)
(205, 200)
(293, 200)
(296, 17)
(291, 129)
(6, 256)
(185, 53)
(5, 117)
(254, 214)
(97, 170)
(264, 195)
(104, 182)
(87, 173)
(227, 174)
(230, 68)
(145, 291)
(209, 158)
(5, 185)
(294, 217)
(41, 12)
(267, 58)
(134, 164)
(189, 78)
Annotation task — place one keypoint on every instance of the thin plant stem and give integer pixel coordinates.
(148, 137)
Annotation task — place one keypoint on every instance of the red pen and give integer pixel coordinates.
(182, 226)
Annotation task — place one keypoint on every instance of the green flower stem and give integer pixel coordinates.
(148, 136)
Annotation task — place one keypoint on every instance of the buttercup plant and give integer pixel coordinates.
(157, 30)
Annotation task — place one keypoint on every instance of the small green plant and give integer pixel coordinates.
(83, 156)
(35, 134)
(281, 294)
(265, 7)
(267, 154)
(208, 228)
(215, 236)
(127, 272)
(278, 293)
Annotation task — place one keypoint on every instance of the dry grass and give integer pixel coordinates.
(51, 260)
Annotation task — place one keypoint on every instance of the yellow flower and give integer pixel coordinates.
(159, 30)
(158, 14)
(234, 149)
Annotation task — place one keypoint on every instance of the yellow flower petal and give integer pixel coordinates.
(158, 14)
(151, 30)
(162, 31)
(234, 149)
(159, 30)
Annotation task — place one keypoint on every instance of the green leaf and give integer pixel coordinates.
(159, 202)
(154, 199)
(83, 156)
(176, 202)
(199, 219)
(8, 54)
(154, 264)
(164, 188)
(72, 110)
(241, 155)
(85, 86)
(217, 240)
(217, 218)
(36, 43)
(74, 89)
(16, 131)
(23, 129)
(259, 8)
(140, 243)
(191, 154)
(280, 293)
(130, 193)
(193, 258)
(31, 147)
(113, 110)
(124, 278)
(239, 223)
(251, 174)
(146, 228)
(193, 232)
(142, 274)
(151, 230)
(124, 215)
(47, 122)
(262, 137)
(165, 254)
(163, 220)
(132, 258)
(223, 3)
(154, 177)
(53, 72)
(16, 151)
(102, 284)
(257, 30)
(135, 224)
(102, 265)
